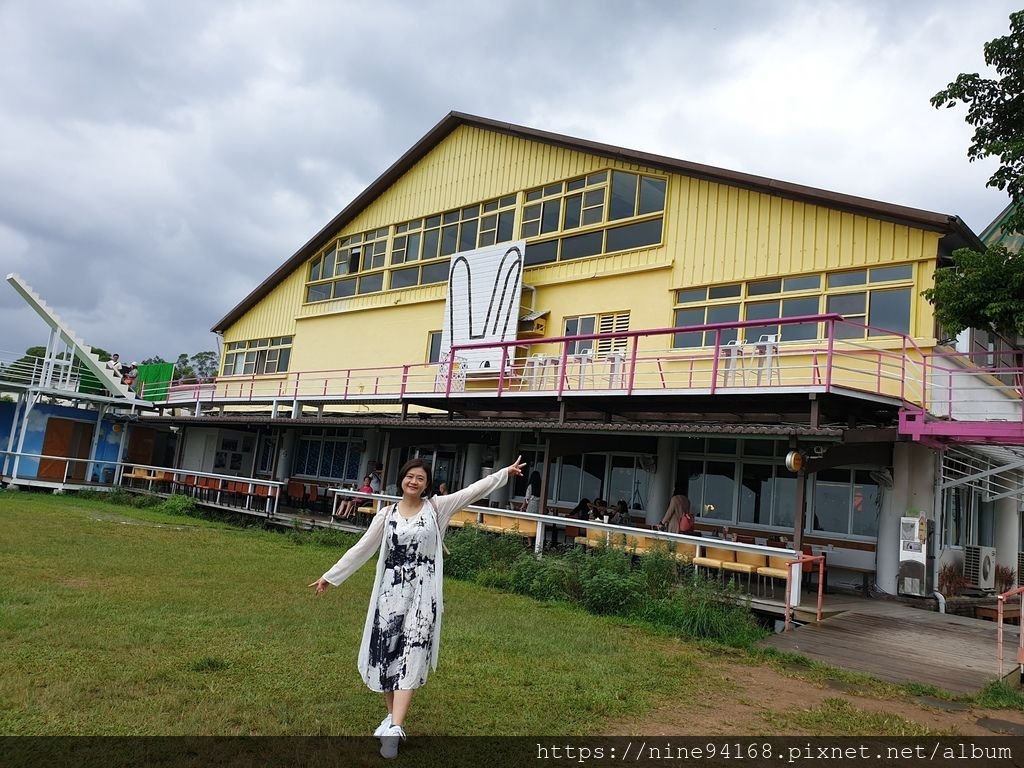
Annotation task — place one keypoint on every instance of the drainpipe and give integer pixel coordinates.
(942, 601)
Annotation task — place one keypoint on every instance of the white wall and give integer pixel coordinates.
(912, 494)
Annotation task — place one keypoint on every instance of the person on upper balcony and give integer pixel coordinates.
(114, 366)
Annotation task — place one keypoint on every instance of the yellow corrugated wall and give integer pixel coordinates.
(713, 233)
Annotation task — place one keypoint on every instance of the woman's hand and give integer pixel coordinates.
(321, 585)
(516, 467)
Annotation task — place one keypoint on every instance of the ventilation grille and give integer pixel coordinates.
(980, 566)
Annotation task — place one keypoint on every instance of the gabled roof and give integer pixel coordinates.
(994, 234)
(900, 214)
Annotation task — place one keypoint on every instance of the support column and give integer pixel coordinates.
(371, 453)
(471, 467)
(22, 400)
(95, 442)
(660, 491)
(120, 454)
(895, 504)
(21, 437)
(506, 453)
(1007, 532)
(285, 452)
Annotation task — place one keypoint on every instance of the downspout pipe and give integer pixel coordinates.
(942, 601)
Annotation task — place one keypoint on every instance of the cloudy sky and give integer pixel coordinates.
(159, 159)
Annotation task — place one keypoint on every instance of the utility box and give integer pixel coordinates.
(912, 578)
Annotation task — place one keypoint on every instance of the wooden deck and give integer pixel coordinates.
(901, 644)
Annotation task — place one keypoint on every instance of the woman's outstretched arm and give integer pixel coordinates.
(356, 555)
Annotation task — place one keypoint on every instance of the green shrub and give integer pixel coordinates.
(704, 610)
(612, 594)
(332, 538)
(660, 572)
(145, 500)
(467, 553)
(658, 590)
(120, 496)
(495, 577)
(471, 551)
(178, 505)
(91, 495)
(549, 578)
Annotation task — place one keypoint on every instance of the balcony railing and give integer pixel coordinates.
(739, 357)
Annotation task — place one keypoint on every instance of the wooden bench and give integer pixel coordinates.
(462, 518)
(1011, 613)
(497, 523)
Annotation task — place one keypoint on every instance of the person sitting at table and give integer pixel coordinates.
(598, 509)
(581, 511)
(348, 506)
(620, 514)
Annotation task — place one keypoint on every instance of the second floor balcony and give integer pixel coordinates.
(734, 362)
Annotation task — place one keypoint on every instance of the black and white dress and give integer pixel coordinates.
(401, 636)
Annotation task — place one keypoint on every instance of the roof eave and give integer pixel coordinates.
(929, 220)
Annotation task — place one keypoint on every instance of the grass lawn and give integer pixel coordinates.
(122, 621)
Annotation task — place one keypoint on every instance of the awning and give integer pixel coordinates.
(996, 471)
(534, 315)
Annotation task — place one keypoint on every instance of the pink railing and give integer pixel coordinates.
(799, 561)
(848, 356)
(972, 398)
(1001, 603)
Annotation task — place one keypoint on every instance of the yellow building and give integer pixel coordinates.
(675, 326)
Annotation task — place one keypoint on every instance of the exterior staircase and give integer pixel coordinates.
(82, 350)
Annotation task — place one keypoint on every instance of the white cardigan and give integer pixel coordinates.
(375, 540)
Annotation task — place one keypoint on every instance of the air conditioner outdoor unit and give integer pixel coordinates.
(1020, 569)
(980, 566)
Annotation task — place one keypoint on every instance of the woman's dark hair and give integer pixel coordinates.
(622, 507)
(416, 464)
(535, 482)
(582, 508)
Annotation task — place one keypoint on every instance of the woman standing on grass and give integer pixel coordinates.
(403, 622)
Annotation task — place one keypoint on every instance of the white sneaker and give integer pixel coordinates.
(384, 725)
(389, 741)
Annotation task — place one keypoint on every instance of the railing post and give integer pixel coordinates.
(632, 366)
(405, 380)
(830, 331)
(999, 635)
(903, 372)
(563, 360)
(501, 369)
(448, 376)
(714, 361)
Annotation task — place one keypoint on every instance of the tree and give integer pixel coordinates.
(996, 110)
(982, 290)
(27, 367)
(206, 364)
(182, 368)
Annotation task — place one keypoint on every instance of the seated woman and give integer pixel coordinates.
(581, 511)
(620, 514)
(347, 507)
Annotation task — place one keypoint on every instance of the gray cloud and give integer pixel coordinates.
(158, 160)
